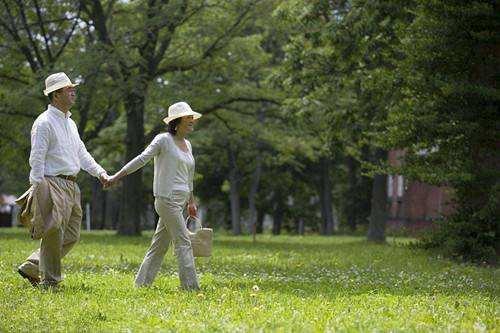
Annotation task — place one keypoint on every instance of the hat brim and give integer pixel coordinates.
(195, 115)
(46, 92)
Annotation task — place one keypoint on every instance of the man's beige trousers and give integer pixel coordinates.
(171, 228)
(59, 202)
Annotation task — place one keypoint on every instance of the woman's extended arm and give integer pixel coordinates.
(138, 162)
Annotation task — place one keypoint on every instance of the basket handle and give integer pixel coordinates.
(197, 222)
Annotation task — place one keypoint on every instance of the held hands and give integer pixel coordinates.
(104, 179)
(112, 180)
(108, 181)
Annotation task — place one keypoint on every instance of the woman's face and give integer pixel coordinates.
(186, 125)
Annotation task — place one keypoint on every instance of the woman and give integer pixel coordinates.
(173, 188)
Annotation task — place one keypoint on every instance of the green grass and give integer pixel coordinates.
(286, 284)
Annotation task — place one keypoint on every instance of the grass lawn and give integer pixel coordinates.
(285, 283)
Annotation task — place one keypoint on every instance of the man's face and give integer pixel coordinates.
(66, 96)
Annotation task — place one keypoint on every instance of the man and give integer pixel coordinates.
(57, 154)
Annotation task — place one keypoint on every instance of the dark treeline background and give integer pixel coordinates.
(302, 100)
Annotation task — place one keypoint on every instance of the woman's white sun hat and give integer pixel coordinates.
(57, 81)
(180, 109)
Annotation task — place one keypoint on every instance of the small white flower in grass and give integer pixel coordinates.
(479, 326)
(255, 288)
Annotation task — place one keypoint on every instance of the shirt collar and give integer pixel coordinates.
(55, 111)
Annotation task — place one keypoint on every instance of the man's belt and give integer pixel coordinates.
(72, 178)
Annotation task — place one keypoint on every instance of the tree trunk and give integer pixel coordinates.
(254, 187)
(104, 207)
(95, 203)
(326, 197)
(260, 221)
(278, 215)
(277, 221)
(98, 205)
(351, 193)
(114, 204)
(335, 218)
(300, 226)
(378, 215)
(234, 195)
(133, 206)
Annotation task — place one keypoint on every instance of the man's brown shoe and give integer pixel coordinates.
(34, 281)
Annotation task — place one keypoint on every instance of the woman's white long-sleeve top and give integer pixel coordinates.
(166, 161)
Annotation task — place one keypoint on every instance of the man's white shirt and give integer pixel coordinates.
(56, 147)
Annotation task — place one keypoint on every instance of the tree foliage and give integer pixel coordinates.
(447, 118)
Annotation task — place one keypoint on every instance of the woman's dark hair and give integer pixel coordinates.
(172, 126)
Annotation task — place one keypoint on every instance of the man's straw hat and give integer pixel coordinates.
(57, 81)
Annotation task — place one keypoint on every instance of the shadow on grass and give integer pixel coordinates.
(289, 243)
(98, 237)
(283, 245)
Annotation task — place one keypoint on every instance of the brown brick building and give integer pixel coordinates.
(413, 204)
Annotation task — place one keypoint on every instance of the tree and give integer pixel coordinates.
(340, 61)
(447, 118)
